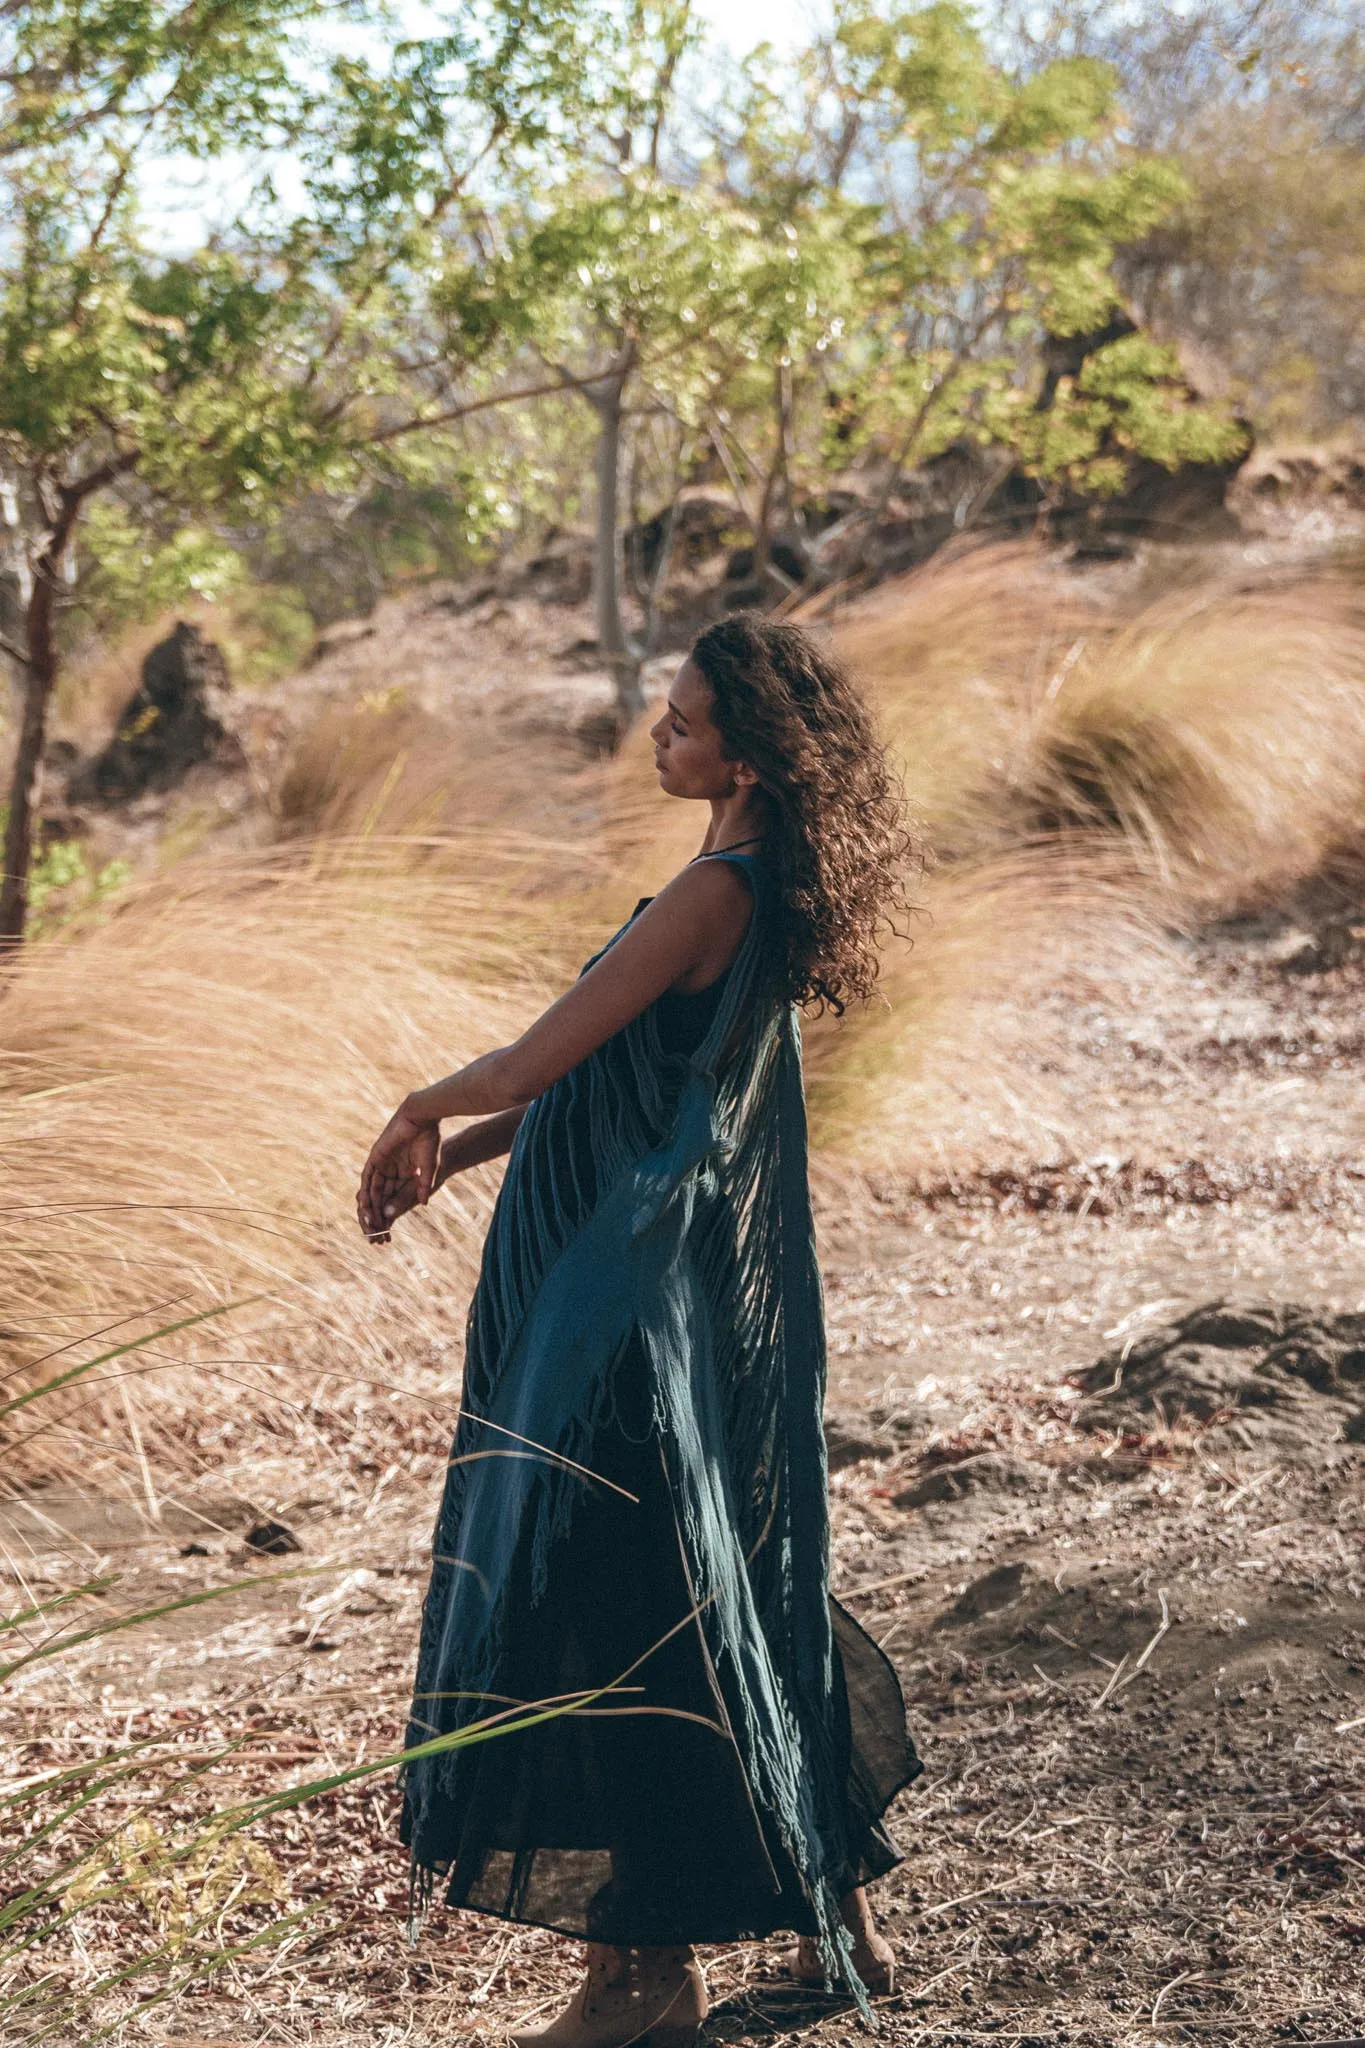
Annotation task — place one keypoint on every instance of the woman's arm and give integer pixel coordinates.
(702, 914)
(691, 929)
(476, 1143)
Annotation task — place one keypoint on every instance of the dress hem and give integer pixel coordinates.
(709, 1939)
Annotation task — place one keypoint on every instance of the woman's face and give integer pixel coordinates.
(687, 746)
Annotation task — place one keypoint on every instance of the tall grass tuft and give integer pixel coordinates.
(964, 1058)
(1220, 734)
(188, 1091)
(955, 658)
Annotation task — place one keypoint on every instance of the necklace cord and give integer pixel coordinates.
(755, 839)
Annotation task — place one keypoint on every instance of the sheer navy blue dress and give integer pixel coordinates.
(634, 1822)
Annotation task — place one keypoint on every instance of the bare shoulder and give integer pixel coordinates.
(707, 907)
(709, 888)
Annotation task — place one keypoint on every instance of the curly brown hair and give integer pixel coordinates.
(838, 827)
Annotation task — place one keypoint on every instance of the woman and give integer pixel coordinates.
(634, 1527)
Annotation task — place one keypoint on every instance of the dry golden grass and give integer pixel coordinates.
(1095, 781)
(1093, 775)
(1212, 726)
(187, 1093)
(1221, 733)
(383, 763)
(187, 1090)
(955, 657)
(956, 1065)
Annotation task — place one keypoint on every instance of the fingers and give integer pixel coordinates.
(371, 1199)
(387, 1196)
(377, 1182)
(368, 1197)
(399, 1174)
(425, 1156)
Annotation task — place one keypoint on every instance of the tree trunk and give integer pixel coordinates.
(616, 645)
(763, 525)
(26, 780)
(777, 484)
(16, 588)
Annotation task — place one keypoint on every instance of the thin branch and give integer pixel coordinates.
(441, 206)
(473, 405)
(106, 472)
(922, 412)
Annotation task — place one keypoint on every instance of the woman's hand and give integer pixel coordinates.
(399, 1197)
(399, 1174)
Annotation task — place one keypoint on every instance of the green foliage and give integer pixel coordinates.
(859, 259)
(267, 361)
(72, 65)
(63, 888)
(944, 218)
(670, 274)
(270, 362)
(133, 575)
(1128, 399)
(265, 630)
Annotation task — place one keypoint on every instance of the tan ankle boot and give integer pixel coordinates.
(630, 1998)
(873, 1956)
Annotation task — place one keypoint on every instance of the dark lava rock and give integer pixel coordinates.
(1259, 1371)
(988, 1472)
(174, 722)
(271, 1539)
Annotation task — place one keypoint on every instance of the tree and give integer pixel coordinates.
(618, 279)
(1261, 106)
(270, 359)
(973, 214)
(631, 298)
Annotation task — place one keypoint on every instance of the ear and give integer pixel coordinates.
(744, 776)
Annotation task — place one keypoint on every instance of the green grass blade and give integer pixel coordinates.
(24, 1614)
(124, 1621)
(76, 1372)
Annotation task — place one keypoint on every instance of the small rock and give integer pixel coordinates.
(178, 719)
(1294, 952)
(1233, 1327)
(1271, 1372)
(345, 633)
(271, 1539)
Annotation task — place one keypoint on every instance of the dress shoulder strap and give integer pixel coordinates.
(755, 867)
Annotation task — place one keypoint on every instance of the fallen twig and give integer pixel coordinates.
(1113, 1681)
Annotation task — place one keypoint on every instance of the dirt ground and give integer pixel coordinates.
(1115, 1553)
(1127, 1604)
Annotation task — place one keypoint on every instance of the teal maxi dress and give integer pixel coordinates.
(636, 1501)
